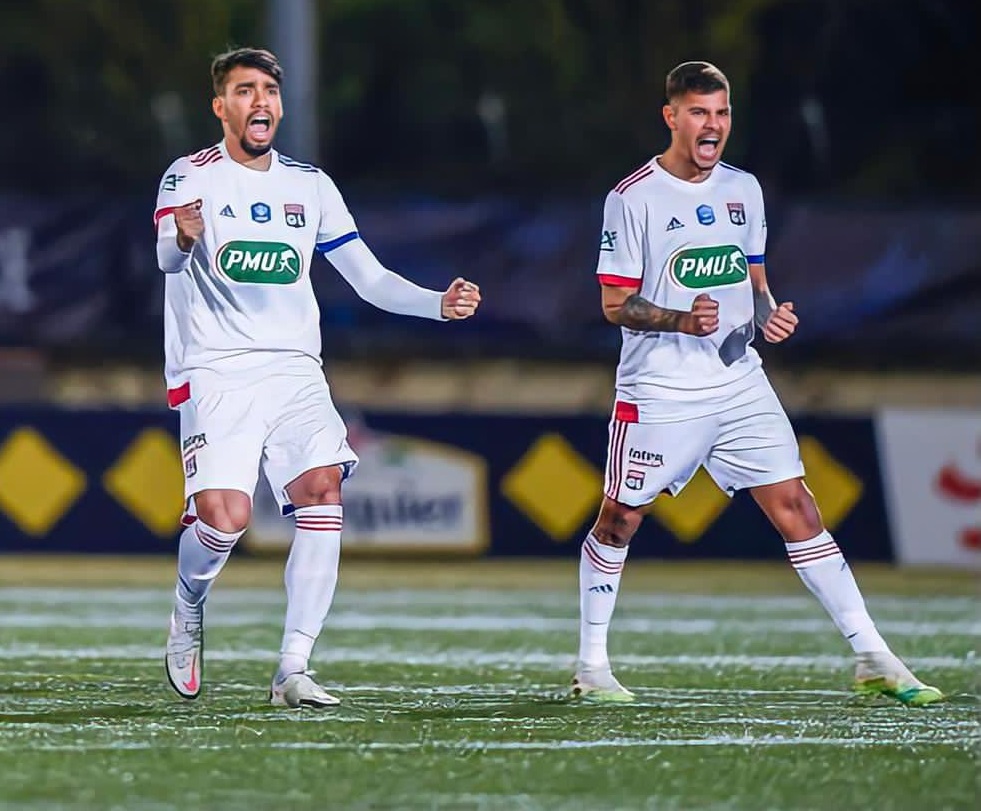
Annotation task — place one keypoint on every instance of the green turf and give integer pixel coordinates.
(452, 697)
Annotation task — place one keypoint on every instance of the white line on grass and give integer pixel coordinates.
(524, 746)
(466, 658)
(503, 600)
(357, 621)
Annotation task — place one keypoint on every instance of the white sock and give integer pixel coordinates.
(600, 567)
(202, 553)
(825, 572)
(311, 577)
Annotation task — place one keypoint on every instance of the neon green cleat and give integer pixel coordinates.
(883, 674)
(598, 686)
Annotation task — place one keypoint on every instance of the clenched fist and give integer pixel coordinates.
(460, 300)
(703, 318)
(781, 323)
(190, 225)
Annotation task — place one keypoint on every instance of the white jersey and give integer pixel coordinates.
(243, 298)
(673, 240)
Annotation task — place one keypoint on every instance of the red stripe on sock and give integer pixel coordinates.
(599, 562)
(212, 542)
(797, 563)
(830, 546)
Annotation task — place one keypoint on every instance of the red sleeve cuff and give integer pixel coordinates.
(618, 281)
(160, 213)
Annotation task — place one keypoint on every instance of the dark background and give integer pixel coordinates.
(860, 117)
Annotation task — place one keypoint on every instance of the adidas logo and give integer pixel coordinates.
(603, 588)
(227, 212)
(674, 224)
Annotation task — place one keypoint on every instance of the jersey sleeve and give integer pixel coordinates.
(621, 255)
(756, 220)
(336, 225)
(178, 187)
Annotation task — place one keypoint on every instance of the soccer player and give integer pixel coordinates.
(237, 226)
(681, 268)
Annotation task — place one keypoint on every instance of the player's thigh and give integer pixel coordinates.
(647, 459)
(756, 444)
(221, 440)
(306, 433)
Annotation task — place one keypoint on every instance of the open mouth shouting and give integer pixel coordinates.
(707, 148)
(259, 128)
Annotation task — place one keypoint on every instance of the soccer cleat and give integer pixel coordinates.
(184, 659)
(598, 686)
(299, 690)
(884, 674)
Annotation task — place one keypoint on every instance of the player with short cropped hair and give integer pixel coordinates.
(681, 265)
(237, 227)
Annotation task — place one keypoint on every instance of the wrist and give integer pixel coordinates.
(185, 243)
(764, 305)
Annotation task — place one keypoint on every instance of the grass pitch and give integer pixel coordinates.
(452, 677)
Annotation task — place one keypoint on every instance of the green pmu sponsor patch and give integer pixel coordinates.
(259, 262)
(709, 267)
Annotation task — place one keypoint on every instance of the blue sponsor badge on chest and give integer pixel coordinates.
(261, 212)
(705, 214)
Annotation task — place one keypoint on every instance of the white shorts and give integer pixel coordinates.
(748, 444)
(281, 418)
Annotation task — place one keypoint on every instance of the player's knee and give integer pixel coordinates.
(616, 524)
(226, 511)
(796, 512)
(319, 486)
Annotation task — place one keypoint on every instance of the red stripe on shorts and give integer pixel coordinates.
(179, 395)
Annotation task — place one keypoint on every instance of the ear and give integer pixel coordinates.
(218, 107)
(668, 112)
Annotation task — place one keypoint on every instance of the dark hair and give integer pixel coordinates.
(222, 65)
(694, 77)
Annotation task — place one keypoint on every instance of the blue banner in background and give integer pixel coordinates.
(112, 482)
(902, 285)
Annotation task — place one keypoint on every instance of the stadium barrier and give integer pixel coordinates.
(931, 464)
(111, 481)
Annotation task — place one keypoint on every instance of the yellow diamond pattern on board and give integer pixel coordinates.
(37, 484)
(554, 486)
(836, 489)
(148, 480)
(693, 510)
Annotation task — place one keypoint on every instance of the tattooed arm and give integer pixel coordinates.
(625, 307)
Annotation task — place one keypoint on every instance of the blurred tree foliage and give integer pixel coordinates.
(866, 97)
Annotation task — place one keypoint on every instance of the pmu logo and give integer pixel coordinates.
(259, 262)
(711, 266)
(295, 217)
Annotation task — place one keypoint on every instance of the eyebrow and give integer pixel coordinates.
(269, 83)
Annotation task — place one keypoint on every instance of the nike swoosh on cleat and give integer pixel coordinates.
(192, 685)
